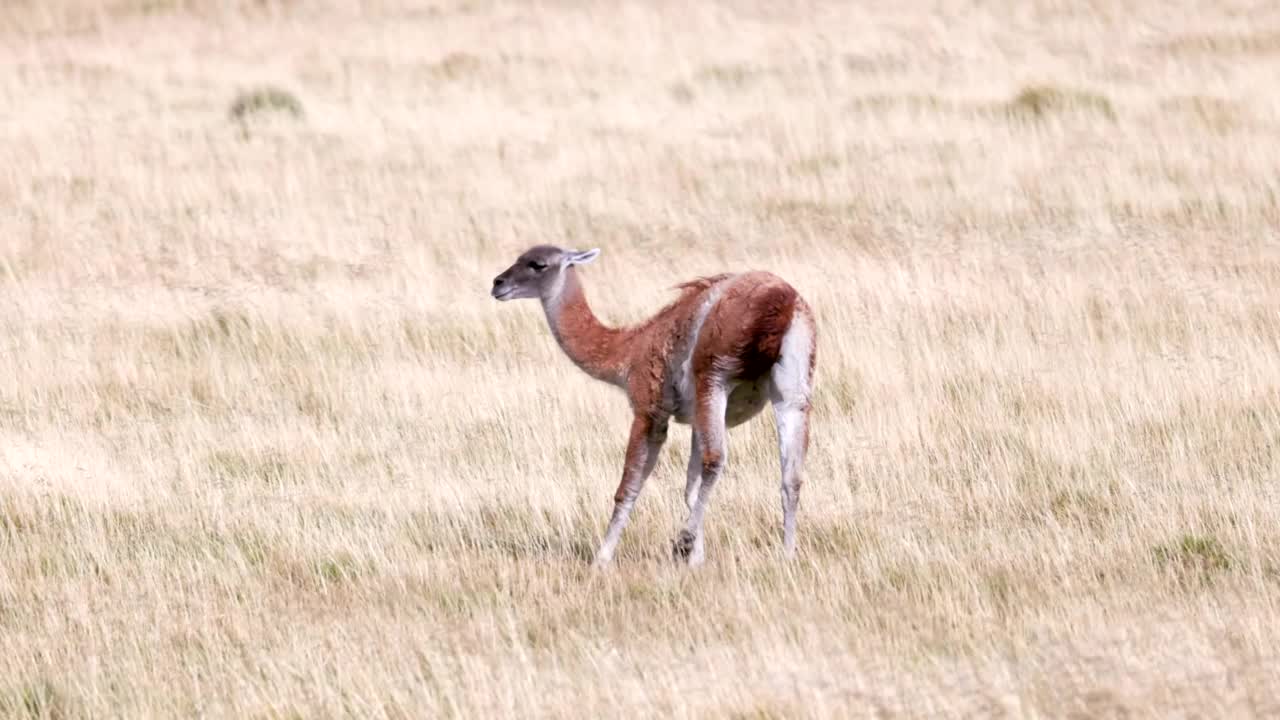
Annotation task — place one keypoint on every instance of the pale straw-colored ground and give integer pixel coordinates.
(268, 448)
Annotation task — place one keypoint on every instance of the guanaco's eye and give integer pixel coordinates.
(539, 266)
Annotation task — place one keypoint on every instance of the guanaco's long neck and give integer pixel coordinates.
(591, 345)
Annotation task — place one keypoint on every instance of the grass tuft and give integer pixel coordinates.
(39, 700)
(264, 101)
(268, 467)
(1194, 558)
(1040, 102)
(457, 66)
(682, 93)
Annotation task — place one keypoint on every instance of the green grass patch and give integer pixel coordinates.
(264, 101)
(1194, 558)
(269, 467)
(37, 700)
(1040, 102)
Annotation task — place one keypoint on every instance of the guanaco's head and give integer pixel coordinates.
(539, 272)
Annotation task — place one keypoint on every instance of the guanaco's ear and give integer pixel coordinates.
(575, 257)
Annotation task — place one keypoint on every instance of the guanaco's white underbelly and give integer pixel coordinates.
(746, 400)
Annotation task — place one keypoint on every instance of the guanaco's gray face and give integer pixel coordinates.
(538, 273)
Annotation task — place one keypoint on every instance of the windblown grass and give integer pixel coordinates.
(267, 448)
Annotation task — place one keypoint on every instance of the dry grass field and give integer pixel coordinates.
(268, 448)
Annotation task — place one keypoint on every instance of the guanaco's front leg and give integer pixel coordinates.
(647, 436)
(709, 430)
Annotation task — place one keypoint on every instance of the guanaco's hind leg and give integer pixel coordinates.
(790, 389)
(793, 432)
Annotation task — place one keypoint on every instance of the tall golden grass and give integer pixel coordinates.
(268, 449)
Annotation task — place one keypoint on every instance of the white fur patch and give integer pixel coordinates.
(686, 393)
(792, 385)
(790, 376)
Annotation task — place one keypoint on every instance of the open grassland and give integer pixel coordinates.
(267, 448)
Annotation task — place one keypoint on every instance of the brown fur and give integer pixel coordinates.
(602, 352)
(742, 337)
(732, 350)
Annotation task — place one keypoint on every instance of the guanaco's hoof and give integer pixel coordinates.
(682, 548)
